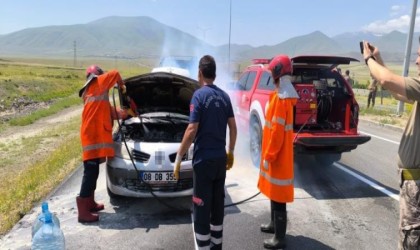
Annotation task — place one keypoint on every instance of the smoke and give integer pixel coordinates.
(186, 54)
(187, 64)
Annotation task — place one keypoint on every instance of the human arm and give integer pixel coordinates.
(111, 79)
(117, 113)
(232, 141)
(387, 79)
(401, 97)
(187, 140)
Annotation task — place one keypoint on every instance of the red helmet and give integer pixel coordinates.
(280, 65)
(94, 69)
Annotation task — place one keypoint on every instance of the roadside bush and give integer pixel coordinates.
(358, 85)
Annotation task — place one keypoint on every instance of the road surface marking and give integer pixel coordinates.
(192, 224)
(379, 137)
(370, 183)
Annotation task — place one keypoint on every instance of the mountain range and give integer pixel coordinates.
(136, 37)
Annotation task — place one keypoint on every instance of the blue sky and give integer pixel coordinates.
(256, 23)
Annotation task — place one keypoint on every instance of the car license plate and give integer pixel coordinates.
(154, 177)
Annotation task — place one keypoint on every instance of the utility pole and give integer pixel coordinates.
(230, 28)
(204, 30)
(74, 53)
(408, 51)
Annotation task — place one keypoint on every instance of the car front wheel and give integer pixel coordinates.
(255, 142)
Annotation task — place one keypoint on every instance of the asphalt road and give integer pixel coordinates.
(352, 204)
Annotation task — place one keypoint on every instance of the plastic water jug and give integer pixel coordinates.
(39, 221)
(49, 236)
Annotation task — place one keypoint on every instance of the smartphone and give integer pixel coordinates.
(371, 48)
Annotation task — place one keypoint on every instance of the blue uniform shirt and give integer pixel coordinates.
(211, 108)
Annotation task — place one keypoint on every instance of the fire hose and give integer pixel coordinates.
(146, 183)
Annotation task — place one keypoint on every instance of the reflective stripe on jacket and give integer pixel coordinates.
(96, 129)
(276, 179)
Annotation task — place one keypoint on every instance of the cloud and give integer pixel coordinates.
(399, 22)
(383, 27)
(397, 10)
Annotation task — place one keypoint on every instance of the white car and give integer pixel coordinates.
(146, 146)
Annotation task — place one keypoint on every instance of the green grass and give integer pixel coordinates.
(385, 111)
(53, 109)
(19, 192)
(383, 106)
(386, 120)
(51, 80)
(43, 80)
(360, 72)
(36, 164)
(36, 83)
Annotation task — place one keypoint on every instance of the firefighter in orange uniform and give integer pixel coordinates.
(276, 168)
(96, 134)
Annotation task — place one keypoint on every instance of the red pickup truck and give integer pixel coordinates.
(326, 114)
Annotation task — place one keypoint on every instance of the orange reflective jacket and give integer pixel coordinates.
(276, 168)
(96, 129)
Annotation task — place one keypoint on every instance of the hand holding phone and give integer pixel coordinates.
(371, 48)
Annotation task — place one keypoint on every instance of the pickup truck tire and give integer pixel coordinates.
(327, 159)
(255, 141)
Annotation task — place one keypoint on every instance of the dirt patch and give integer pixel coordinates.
(22, 146)
(16, 132)
(20, 106)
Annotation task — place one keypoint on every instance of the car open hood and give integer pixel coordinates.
(175, 70)
(330, 60)
(161, 92)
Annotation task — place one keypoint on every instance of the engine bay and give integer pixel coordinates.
(155, 128)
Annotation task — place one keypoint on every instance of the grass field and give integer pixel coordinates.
(360, 72)
(32, 166)
(35, 165)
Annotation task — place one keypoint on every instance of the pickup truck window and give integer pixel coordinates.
(242, 81)
(246, 81)
(266, 82)
(250, 80)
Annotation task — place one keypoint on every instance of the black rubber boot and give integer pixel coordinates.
(269, 227)
(279, 239)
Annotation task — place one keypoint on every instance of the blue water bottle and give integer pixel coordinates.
(49, 236)
(39, 221)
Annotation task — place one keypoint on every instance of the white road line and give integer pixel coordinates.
(379, 137)
(370, 183)
(192, 224)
